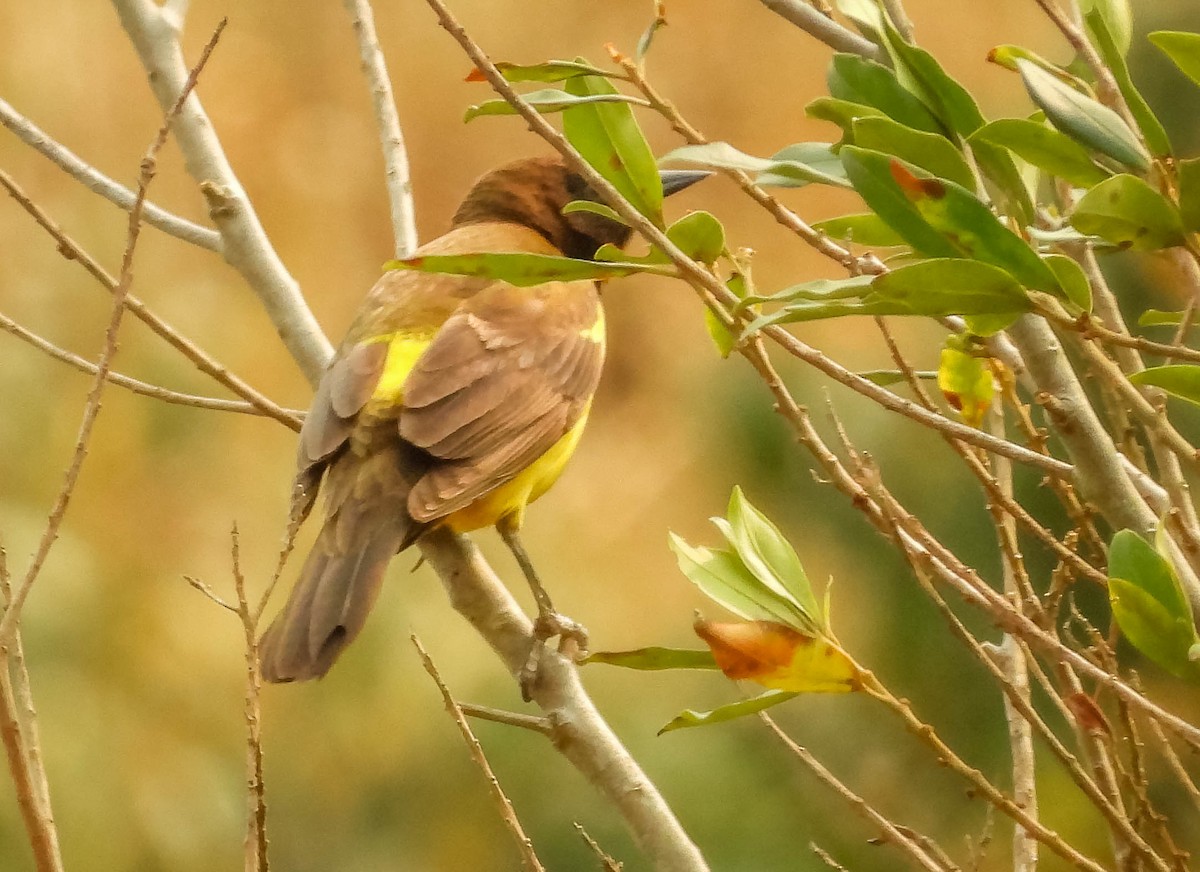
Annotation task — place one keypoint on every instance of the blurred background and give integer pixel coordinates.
(138, 678)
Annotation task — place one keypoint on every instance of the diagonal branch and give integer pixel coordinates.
(131, 384)
(203, 361)
(154, 31)
(98, 183)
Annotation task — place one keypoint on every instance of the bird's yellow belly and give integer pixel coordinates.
(529, 484)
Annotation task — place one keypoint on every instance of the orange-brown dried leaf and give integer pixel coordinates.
(778, 657)
(1087, 714)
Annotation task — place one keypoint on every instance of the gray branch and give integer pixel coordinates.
(97, 182)
(823, 29)
(154, 32)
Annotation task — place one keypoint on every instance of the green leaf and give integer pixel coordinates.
(804, 163)
(865, 229)
(1189, 193)
(594, 208)
(933, 288)
(1083, 119)
(1165, 639)
(1110, 35)
(1045, 148)
(655, 659)
(722, 337)
(971, 228)
(929, 151)
(1072, 279)
(722, 576)
(550, 71)
(858, 80)
(699, 235)
(548, 100)
(1132, 558)
(843, 113)
(608, 137)
(523, 270)
(953, 286)
(870, 173)
(1182, 48)
(1179, 380)
(923, 75)
(1117, 18)
(1126, 211)
(1158, 318)
(789, 168)
(689, 718)
(769, 555)
(958, 112)
(820, 289)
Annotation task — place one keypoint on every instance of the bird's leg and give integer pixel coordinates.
(549, 623)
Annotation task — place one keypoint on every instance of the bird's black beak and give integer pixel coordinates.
(674, 181)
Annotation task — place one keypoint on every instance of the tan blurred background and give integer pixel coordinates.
(138, 678)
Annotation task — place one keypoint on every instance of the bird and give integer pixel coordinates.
(453, 402)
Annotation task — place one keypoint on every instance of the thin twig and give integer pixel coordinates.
(201, 359)
(255, 844)
(892, 834)
(534, 723)
(92, 406)
(99, 183)
(826, 858)
(391, 136)
(607, 863)
(146, 389)
(206, 590)
(1176, 765)
(22, 745)
(579, 733)
(529, 858)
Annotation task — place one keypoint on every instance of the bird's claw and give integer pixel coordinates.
(572, 643)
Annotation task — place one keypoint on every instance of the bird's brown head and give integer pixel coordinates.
(533, 192)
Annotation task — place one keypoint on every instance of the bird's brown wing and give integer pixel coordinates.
(504, 379)
(343, 391)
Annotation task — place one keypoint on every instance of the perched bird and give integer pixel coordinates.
(452, 401)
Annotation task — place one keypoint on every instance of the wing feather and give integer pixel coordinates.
(504, 379)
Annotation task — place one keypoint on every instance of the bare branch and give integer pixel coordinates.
(893, 834)
(138, 387)
(508, 814)
(255, 844)
(580, 733)
(154, 32)
(22, 745)
(206, 590)
(513, 719)
(607, 863)
(203, 361)
(824, 29)
(12, 614)
(99, 183)
(391, 137)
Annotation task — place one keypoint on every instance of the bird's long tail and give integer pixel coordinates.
(337, 586)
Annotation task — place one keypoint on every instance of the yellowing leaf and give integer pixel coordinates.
(967, 384)
(778, 657)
